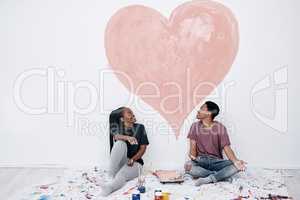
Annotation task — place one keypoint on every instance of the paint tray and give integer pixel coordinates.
(169, 176)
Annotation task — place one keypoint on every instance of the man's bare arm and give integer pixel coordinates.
(240, 164)
(230, 154)
(193, 149)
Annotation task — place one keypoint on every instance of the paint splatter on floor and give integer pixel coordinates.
(85, 184)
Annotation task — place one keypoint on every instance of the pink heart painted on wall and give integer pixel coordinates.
(172, 64)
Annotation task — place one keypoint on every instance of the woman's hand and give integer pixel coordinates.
(130, 162)
(132, 140)
(240, 164)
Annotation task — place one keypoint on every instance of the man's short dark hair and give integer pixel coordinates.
(213, 108)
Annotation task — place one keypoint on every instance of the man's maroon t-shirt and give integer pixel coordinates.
(210, 141)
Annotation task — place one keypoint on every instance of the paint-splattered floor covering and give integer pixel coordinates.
(83, 184)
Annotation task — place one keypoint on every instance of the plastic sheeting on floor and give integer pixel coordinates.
(85, 184)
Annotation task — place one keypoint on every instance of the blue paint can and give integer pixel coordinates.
(136, 195)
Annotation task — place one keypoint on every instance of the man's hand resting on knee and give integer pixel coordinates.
(240, 165)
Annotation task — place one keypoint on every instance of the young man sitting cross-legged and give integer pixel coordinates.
(208, 139)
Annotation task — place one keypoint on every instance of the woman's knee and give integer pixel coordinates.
(120, 144)
(129, 172)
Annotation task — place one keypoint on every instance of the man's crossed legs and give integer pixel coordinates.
(209, 169)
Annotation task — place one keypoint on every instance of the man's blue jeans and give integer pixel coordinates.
(218, 169)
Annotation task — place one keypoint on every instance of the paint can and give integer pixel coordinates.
(165, 196)
(157, 190)
(158, 196)
(136, 195)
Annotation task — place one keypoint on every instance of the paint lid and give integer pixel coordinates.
(136, 192)
(158, 193)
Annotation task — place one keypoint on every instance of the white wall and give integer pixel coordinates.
(68, 36)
